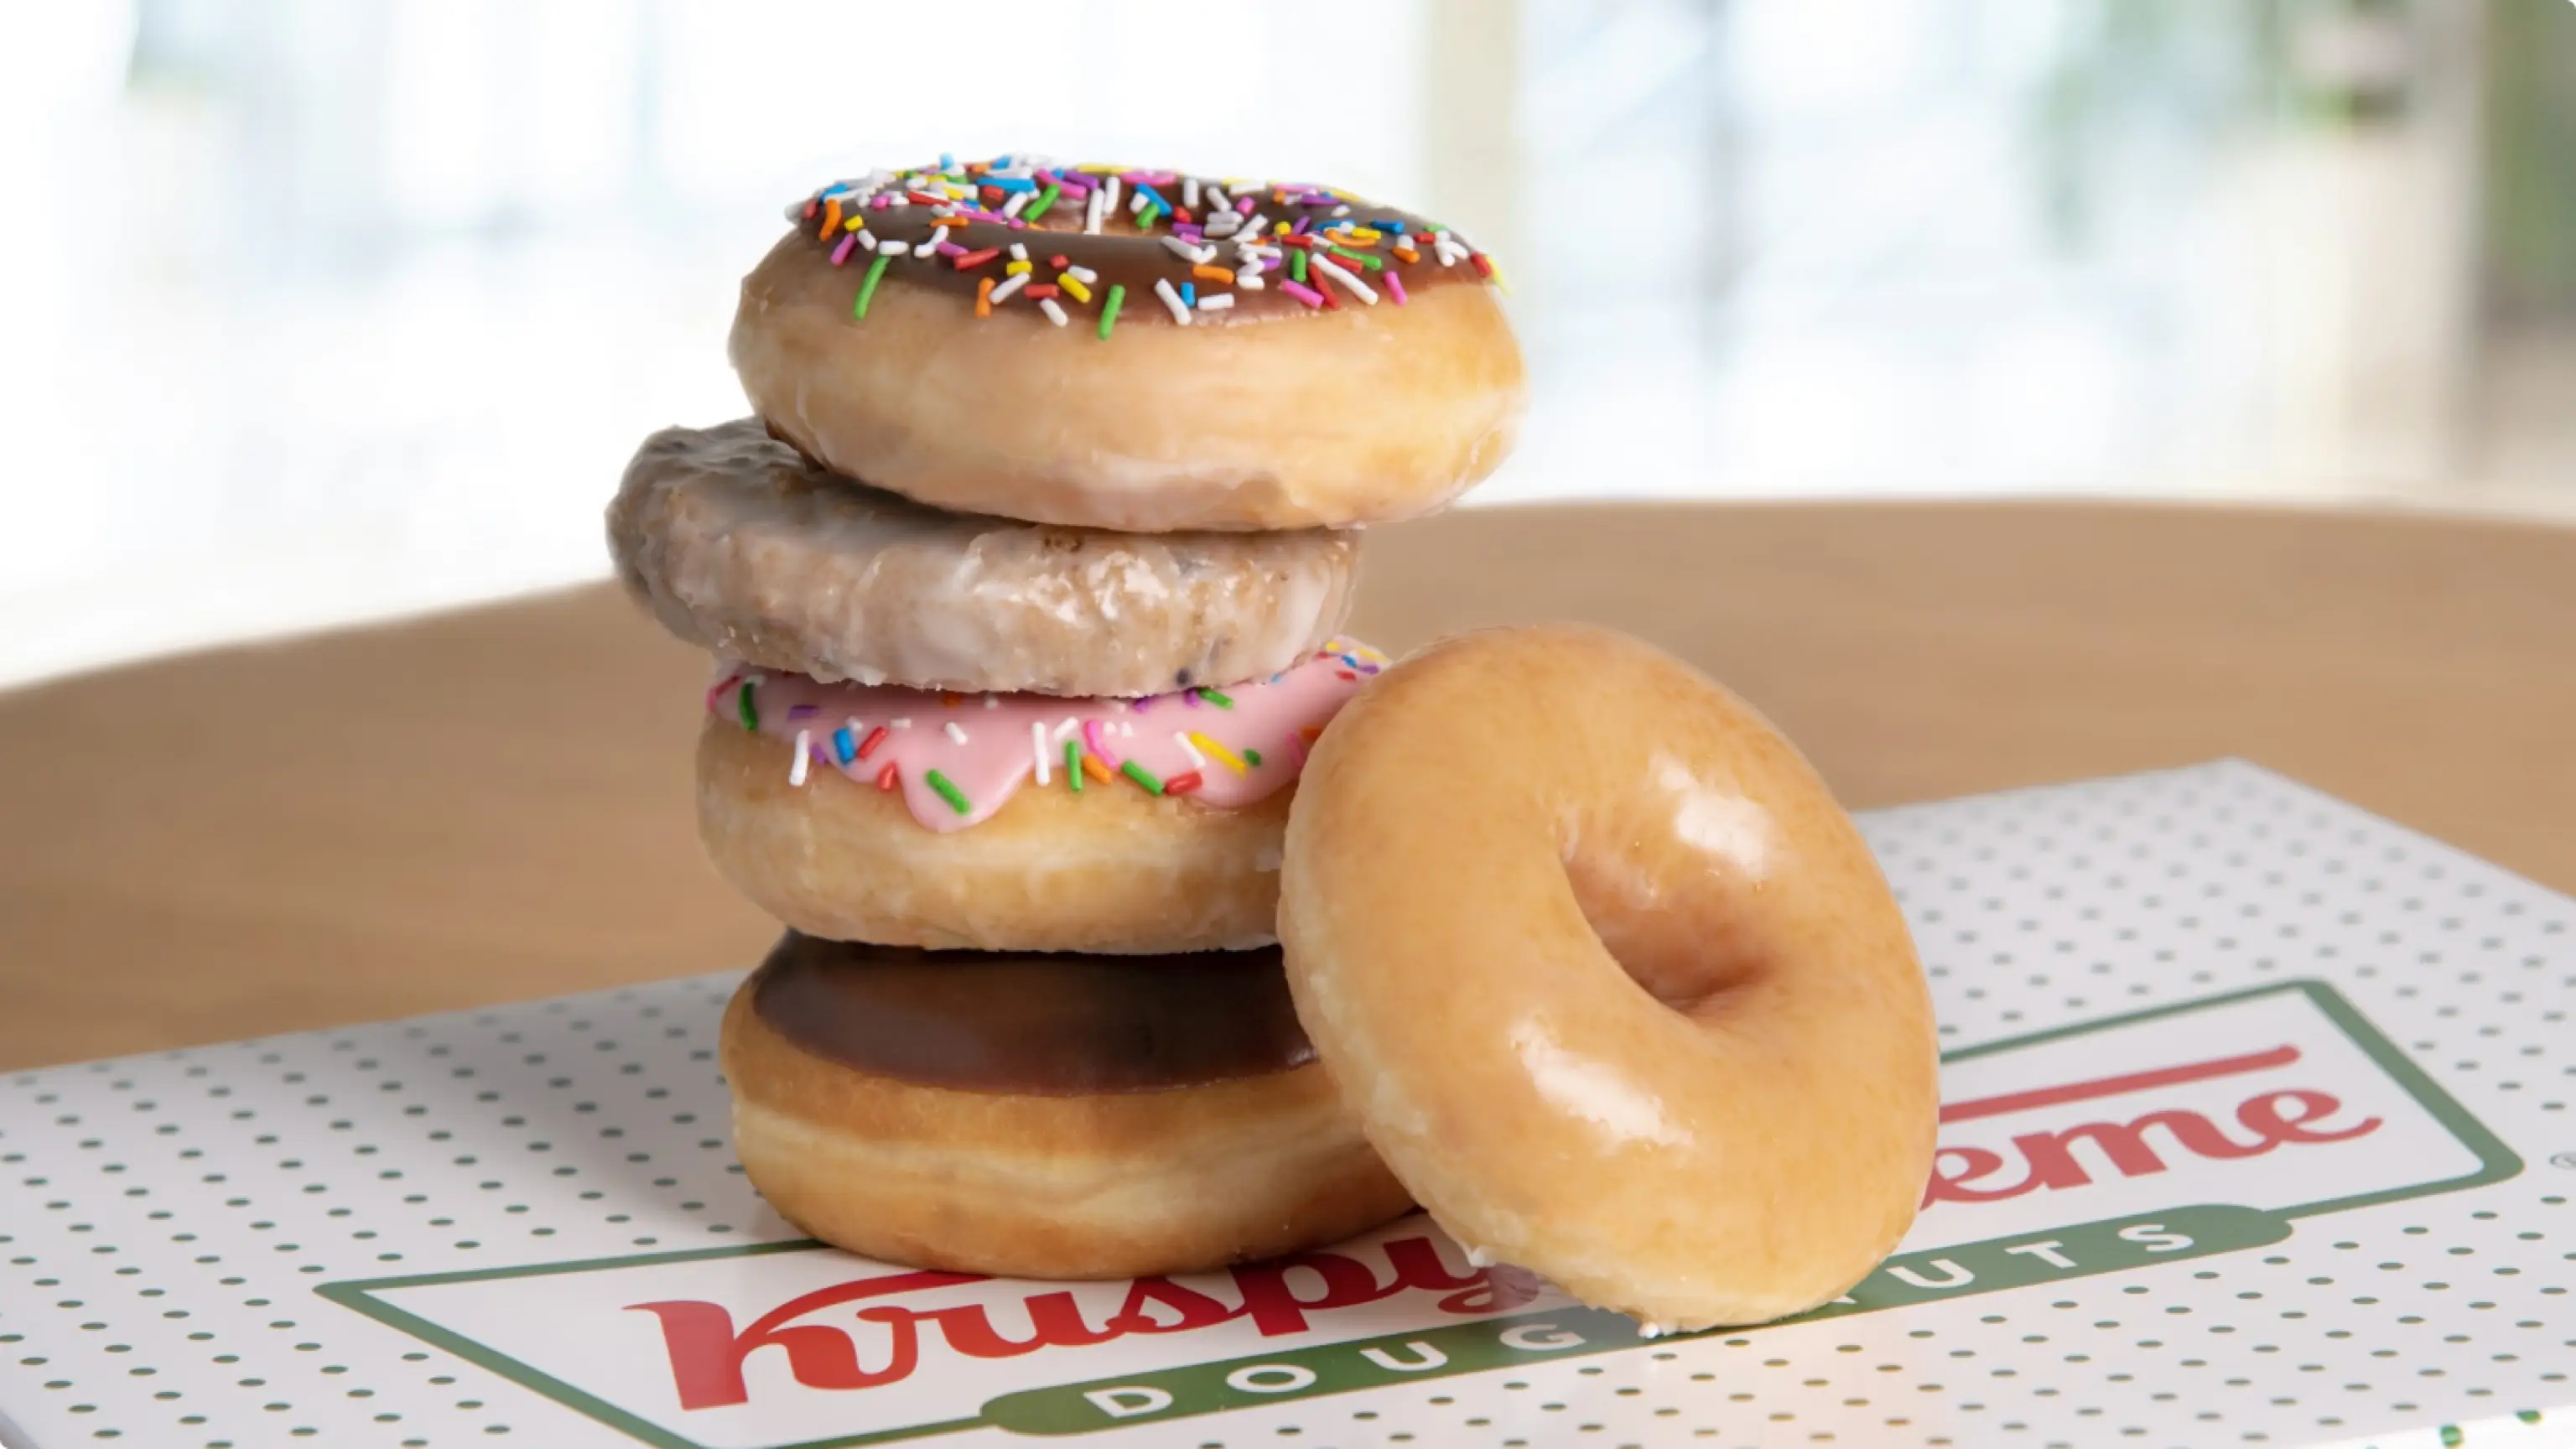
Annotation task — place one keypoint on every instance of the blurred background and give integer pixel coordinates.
(324, 310)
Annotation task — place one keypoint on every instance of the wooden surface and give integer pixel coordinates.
(496, 805)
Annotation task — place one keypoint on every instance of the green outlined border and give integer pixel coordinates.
(2496, 1163)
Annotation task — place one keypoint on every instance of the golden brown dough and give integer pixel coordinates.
(1615, 985)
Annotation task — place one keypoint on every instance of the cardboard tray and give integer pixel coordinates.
(2257, 1129)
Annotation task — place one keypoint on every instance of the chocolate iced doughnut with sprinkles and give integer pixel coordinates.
(1131, 349)
(736, 543)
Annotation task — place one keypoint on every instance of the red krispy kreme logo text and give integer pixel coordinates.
(2265, 1120)
(2204, 1126)
(2091, 1132)
(706, 1346)
(706, 1349)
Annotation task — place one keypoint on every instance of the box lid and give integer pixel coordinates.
(2256, 1129)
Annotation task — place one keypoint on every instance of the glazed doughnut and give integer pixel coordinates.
(736, 543)
(1615, 985)
(1129, 349)
(1044, 1117)
(942, 820)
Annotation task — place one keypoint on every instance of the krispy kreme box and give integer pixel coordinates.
(2256, 1129)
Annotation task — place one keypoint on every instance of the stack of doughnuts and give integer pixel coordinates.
(1024, 583)
(1138, 920)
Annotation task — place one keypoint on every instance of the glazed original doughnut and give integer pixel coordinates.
(1043, 1116)
(1614, 984)
(1013, 822)
(736, 543)
(1130, 349)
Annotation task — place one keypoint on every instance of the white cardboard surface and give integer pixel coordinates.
(2257, 1130)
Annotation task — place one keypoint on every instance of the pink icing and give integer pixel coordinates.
(1264, 726)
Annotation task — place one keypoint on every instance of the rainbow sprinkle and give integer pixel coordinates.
(750, 712)
(1226, 757)
(948, 791)
(1141, 776)
(980, 216)
(868, 287)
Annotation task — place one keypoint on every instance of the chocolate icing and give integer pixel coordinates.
(1123, 254)
(1033, 1023)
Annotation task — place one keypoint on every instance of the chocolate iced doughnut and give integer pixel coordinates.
(1043, 1116)
(1034, 1023)
(1136, 350)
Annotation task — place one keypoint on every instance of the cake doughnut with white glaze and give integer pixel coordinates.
(736, 543)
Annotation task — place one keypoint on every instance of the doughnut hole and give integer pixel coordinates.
(1676, 925)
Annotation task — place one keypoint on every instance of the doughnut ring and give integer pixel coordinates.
(1044, 1117)
(1132, 350)
(735, 543)
(1012, 822)
(1614, 983)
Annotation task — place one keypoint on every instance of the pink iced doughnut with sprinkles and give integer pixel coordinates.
(1014, 822)
(1131, 349)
